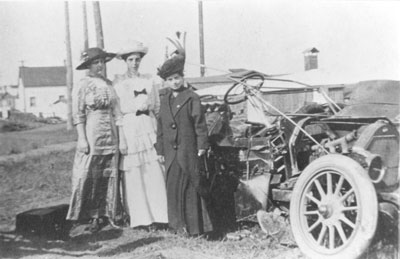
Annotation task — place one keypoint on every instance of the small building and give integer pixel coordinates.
(285, 95)
(310, 58)
(39, 88)
(7, 103)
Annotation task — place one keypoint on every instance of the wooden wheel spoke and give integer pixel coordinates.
(311, 212)
(347, 221)
(339, 185)
(347, 194)
(329, 185)
(350, 208)
(322, 234)
(319, 187)
(331, 230)
(313, 199)
(341, 232)
(313, 226)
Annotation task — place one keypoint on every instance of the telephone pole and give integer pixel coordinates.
(85, 27)
(201, 36)
(99, 29)
(68, 65)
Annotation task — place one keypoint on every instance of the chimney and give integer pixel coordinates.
(310, 59)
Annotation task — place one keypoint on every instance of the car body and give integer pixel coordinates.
(335, 169)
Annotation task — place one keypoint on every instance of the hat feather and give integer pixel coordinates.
(177, 62)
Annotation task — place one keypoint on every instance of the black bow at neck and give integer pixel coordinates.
(140, 92)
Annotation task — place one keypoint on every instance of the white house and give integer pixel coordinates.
(42, 91)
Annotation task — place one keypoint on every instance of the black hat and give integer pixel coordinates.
(175, 64)
(92, 54)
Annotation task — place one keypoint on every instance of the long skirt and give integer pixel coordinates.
(94, 187)
(145, 194)
(186, 209)
(144, 181)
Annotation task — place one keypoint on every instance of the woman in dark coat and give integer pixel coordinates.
(181, 140)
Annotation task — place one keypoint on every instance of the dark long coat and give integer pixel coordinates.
(182, 131)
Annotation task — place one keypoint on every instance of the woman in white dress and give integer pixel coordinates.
(143, 174)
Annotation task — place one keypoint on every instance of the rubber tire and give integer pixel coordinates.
(367, 218)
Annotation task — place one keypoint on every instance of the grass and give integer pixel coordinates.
(39, 181)
(22, 141)
(32, 183)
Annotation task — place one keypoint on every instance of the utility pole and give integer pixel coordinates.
(99, 29)
(68, 64)
(85, 27)
(201, 36)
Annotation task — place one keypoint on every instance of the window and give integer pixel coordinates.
(33, 101)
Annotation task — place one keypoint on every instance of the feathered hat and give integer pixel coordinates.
(176, 63)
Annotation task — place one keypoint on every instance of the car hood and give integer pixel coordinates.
(377, 98)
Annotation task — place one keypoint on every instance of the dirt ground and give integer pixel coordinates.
(41, 178)
(130, 243)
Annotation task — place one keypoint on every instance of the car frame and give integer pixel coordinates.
(336, 170)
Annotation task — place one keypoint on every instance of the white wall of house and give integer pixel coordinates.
(5, 108)
(40, 100)
(59, 109)
(20, 102)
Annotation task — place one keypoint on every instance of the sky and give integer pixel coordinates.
(360, 37)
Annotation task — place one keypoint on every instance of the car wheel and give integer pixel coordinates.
(333, 209)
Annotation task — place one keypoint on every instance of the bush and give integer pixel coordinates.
(16, 115)
(14, 126)
(51, 120)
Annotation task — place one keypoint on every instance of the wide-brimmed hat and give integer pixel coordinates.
(92, 54)
(133, 47)
(175, 64)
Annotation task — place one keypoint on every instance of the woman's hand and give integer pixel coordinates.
(201, 152)
(161, 159)
(123, 148)
(83, 146)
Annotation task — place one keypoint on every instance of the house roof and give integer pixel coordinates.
(204, 82)
(338, 76)
(43, 76)
(311, 50)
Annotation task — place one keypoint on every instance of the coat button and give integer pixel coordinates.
(178, 106)
(173, 126)
(175, 147)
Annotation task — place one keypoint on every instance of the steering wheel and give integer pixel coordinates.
(249, 76)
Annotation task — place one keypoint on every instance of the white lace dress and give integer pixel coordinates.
(144, 180)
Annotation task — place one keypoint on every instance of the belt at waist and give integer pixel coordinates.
(145, 112)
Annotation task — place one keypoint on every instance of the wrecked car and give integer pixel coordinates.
(335, 168)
